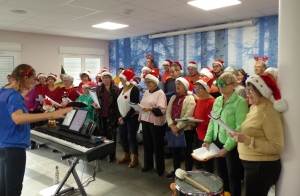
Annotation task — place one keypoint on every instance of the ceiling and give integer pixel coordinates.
(75, 17)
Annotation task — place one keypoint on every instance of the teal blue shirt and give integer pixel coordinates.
(87, 99)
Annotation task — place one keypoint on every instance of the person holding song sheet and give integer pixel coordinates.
(180, 106)
(204, 104)
(128, 117)
(154, 101)
(261, 140)
(232, 110)
(87, 99)
(15, 129)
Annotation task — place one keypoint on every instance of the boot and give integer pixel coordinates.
(125, 158)
(135, 161)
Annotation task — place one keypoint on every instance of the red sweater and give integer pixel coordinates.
(71, 93)
(54, 95)
(39, 89)
(202, 110)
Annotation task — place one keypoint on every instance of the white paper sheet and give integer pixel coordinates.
(203, 154)
(94, 97)
(138, 108)
(214, 117)
(52, 101)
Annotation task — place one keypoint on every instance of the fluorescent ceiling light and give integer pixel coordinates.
(109, 25)
(213, 4)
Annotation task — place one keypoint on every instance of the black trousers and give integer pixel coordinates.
(153, 140)
(260, 176)
(111, 135)
(12, 169)
(187, 151)
(229, 170)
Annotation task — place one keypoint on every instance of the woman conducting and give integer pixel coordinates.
(232, 110)
(261, 141)
(15, 129)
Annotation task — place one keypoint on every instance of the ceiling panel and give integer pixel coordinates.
(34, 21)
(152, 16)
(158, 5)
(41, 5)
(270, 11)
(6, 9)
(55, 17)
(12, 18)
(72, 10)
(96, 4)
(135, 9)
(5, 24)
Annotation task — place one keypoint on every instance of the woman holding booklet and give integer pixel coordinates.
(180, 106)
(261, 140)
(128, 117)
(154, 101)
(232, 110)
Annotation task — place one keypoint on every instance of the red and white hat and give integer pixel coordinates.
(187, 83)
(220, 62)
(147, 68)
(88, 73)
(106, 73)
(263, 59)
(40, 75)
(167, 62)
(206, 83)
(207, 72)
(127, 75)
(52, 75)
(192, 64)
(153, 75)
(177, 63)
(86, 85)
(47, 102)
(269, 89)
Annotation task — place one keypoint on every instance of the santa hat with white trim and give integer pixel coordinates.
(207, 72)
(192, 64)
(153, 75)
(147, 68)
(127, 75)
(40, 75)
(187, 83)
(88, 73)
(167, 62)
(52, 75)
(206, 83)
(269, 89)
(220, 62)
(177, 63)
(106, 73)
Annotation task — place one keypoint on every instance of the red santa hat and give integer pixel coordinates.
(167, 62)
(47, 102)
(106, 73)
(187, 83)
(220, 62)
(127, 75)
(88, 73)
(206, 83)
(52, 75)
(177, 63)
(207, 72)
(153, 75)
(40, 75)
(192, 64)
(147, 68)
(269, 89)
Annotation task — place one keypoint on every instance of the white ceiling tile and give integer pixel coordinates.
(96, 4)
(172, 21)
(4, 24)
(133, 29)
(270, 11)
(236, 9)
(72, 10)
(216, 20)
(53, 30)
(40, 22)
(186, 25)
(179, 10)
(199, 15)
(6, 9)
(27, 26)
(104, 17)
(130, 21)
(152, 16)
(11, 18)
(151, 25)
(126, 1)
(119, 9)
(19, 29)
(55, 17)
(155, 5)
(261, 4)
(41, 5)
(245, 15)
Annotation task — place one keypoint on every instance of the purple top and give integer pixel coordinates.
(30, 102)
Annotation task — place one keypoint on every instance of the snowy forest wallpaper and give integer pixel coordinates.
(236, 47)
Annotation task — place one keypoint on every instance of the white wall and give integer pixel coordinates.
(42, 51)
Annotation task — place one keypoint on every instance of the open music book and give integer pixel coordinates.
(202, 154)
(94, 97)
(138, 108)
(214, 117)
(188, 120)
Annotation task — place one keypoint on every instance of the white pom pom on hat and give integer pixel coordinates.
(127, 75)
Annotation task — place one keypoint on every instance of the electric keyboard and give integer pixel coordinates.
(71, 144)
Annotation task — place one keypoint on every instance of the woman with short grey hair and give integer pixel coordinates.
(68, 91)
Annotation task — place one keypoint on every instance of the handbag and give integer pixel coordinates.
(176, 141)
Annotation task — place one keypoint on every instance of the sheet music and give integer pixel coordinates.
(138, 108)
(94, 97)
(217, 119)
(52, 101)
(78, 120)
(68, 118)
(203, 154)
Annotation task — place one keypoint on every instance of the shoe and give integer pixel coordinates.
(171, 175)
(32, 146)
(125, 158)
(111, 159)
(160, 174)
(146, 169)
(53, 150)
(135, 161)
(199, 166)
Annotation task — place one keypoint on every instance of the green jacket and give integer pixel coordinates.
(233, 113)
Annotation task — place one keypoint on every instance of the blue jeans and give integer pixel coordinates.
(12, 169)
(128, 132)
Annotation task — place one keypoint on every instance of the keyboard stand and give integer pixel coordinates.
(77, 180)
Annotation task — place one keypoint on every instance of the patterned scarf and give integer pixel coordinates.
(111, 120)
(177, 106)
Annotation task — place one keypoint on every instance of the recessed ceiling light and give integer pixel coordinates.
(18, 11)
(213, 4)
(109, 25)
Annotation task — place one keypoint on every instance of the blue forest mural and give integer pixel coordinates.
(235, 46)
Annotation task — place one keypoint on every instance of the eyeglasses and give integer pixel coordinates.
(198, 88)
(249, 91)
(222, 84)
